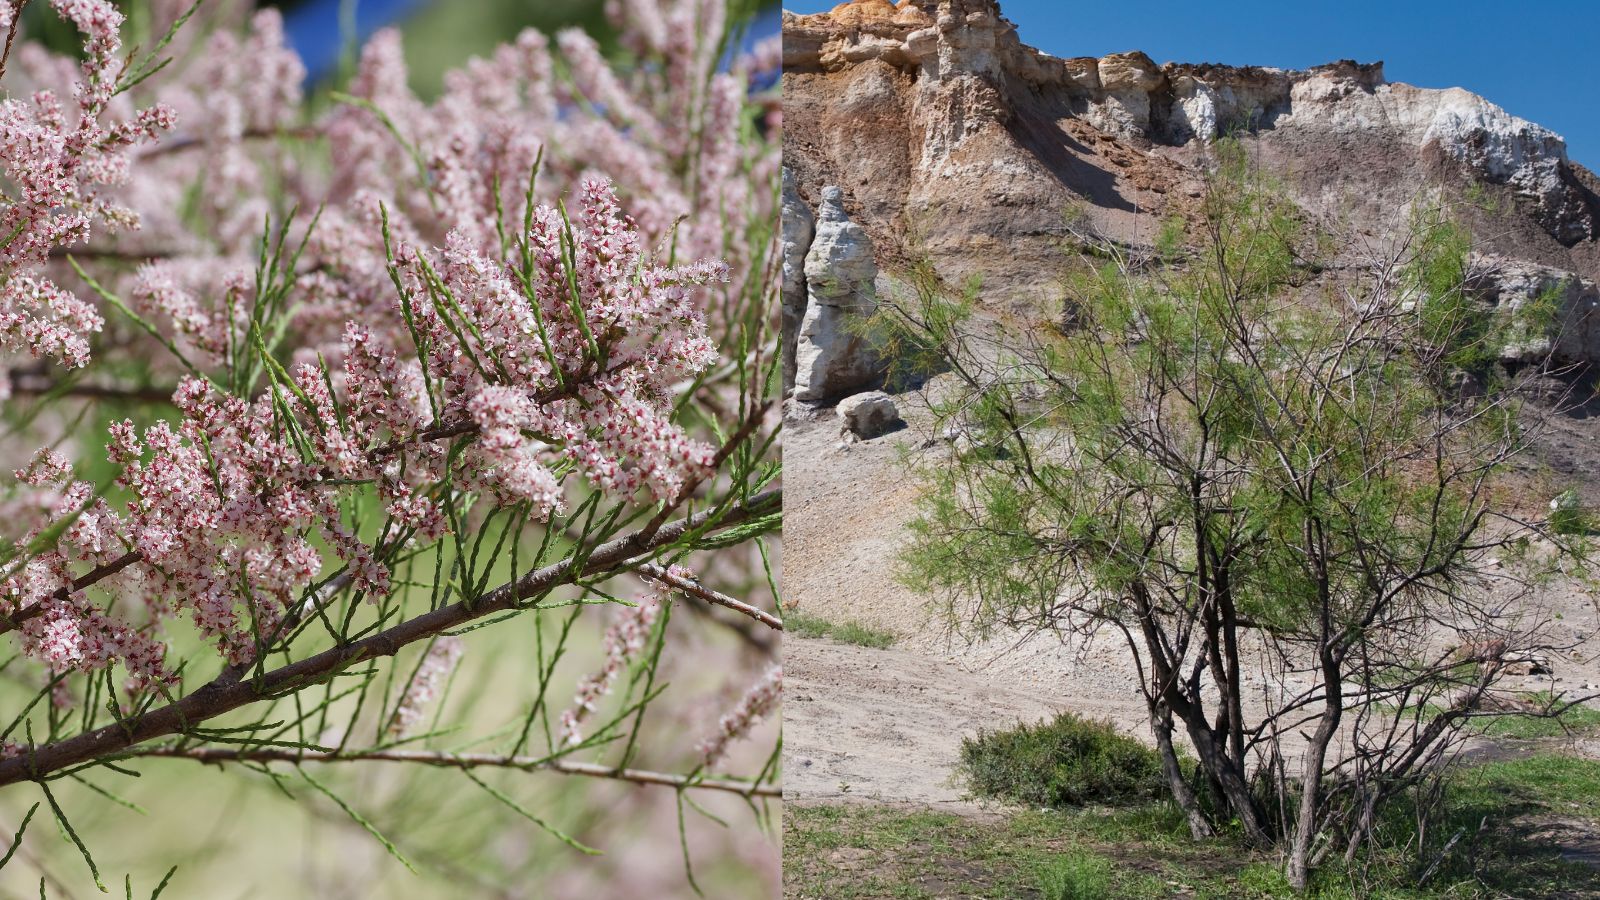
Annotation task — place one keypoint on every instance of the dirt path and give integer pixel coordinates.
(884, 725)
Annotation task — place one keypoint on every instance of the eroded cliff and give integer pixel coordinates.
(952, 140)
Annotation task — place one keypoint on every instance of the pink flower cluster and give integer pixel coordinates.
(55, 163)
(624, 640)
(669, 133)
(420, 692)
(575, 358)
(576, 364)
(756, 704)
(453, 321)
(70, 631)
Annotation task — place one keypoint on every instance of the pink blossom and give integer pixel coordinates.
(420, 692)
(56, 164)
(452, 324)
(757, 703)
(624, 640)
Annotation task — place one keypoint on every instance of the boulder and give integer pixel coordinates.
(1129, 72)
(832, 358)
(1126, 80)
(870, 415)
(1082, 72)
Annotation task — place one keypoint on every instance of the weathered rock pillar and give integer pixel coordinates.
(832, 358)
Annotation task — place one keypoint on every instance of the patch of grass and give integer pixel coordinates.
(804, 624)
(1067, 761)
(1572, 521)
(1576, 719)
(1078, 875)
(1568, 516)
(854, 852)
(857, 851)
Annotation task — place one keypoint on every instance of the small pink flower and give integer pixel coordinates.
(757, 703)
(434, 671)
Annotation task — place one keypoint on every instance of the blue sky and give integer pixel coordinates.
(1539, 59)
(314, 26)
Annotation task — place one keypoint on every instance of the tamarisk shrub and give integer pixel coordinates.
(343, 403)
(1299, 513)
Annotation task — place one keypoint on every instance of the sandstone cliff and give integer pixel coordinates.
(952, 139)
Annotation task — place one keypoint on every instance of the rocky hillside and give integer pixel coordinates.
(928, 129)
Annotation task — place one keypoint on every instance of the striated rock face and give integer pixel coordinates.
(831, 358)
(798, 229)
(957, 142)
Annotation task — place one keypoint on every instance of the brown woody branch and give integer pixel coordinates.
(193, 142)
(694, 588)
(91, 577)
(11, 33)
(34, 384)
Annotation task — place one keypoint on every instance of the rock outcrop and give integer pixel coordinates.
(832, 357)
(798, 228)
(956, 142)
(1513, 284)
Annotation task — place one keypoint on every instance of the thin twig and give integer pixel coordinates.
(690, 586)
(190, 142)
(82, 582)
(33, 384)
(11, 33)
(220, 755)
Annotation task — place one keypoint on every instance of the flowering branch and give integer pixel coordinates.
(14, 620)
(469, 367)
(99, 573)
(231, 690)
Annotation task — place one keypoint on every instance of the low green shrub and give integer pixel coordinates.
(1067, 761)
(1572, 521)
(1568, 515)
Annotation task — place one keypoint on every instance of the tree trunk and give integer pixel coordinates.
(1161, 724)
(1298, 869)
(1229, 774)
(1213, 754)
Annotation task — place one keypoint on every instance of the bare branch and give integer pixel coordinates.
(690, 586)
(222, 755)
